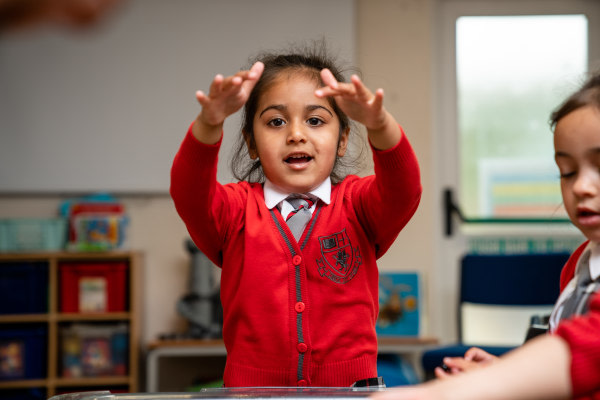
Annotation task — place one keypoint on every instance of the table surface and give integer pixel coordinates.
(232, 393)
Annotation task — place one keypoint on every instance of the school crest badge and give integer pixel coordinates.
(340, 260)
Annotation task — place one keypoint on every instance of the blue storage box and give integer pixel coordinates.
(23, 394)
(23, 287)
(33, 234)
(23, 350)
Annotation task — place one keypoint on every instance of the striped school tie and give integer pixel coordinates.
(300, 215)
(578, 302)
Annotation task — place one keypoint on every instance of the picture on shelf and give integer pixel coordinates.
(92, 294)
(96, 358)
(399, 304)
(71, 355)
(12, 359)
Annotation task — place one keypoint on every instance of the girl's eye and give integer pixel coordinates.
(314, 121)
(276, 122)
(566, 175)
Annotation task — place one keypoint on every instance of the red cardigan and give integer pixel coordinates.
(582, 333)
(297, 313)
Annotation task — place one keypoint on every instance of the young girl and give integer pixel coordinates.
(566, 363)
(299, 304)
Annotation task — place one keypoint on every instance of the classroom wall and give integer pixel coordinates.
(394, 51)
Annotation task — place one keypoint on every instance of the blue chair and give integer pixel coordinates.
(499, 295)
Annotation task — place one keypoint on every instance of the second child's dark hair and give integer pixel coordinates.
(587, 95)
(308, 61)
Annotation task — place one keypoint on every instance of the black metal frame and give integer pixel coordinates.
(451, 208)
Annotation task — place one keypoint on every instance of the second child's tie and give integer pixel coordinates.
(578, 302)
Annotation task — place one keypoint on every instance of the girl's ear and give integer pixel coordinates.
(343, 143)
(250, 145)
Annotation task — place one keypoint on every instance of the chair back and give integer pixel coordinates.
(500, 293)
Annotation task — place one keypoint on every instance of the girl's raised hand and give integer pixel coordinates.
(227, 95)
(361, 105)
(355, 99)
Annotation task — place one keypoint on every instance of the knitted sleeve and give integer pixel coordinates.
(205, 206)
(387, 200)
(583, 337)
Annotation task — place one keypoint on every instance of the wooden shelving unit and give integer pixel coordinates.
(54, 319)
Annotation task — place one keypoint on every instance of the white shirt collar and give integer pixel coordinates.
(274, 195)
(594, 260)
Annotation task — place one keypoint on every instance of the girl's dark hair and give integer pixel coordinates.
(307, 60)
(587, 95)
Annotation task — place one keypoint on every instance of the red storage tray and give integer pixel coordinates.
(93, 287)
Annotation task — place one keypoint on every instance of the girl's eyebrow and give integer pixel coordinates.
(593, 151)
(281, 107)
(278, 107)
(317, 106)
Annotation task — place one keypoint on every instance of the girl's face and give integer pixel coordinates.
(577, 154)
(297, 135)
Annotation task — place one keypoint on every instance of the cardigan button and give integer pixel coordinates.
(302, 347)
(302, 382)
(299, 307)
(296, 260)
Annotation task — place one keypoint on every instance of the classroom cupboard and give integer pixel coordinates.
(69, 322)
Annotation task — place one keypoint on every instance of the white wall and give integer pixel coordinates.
(394, 51)
(104, 109)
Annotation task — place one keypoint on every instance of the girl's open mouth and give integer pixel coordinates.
(298, 159)
(588, 217)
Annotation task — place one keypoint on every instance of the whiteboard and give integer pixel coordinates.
(106, 109)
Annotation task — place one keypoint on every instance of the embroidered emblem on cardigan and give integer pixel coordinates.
(340, 260)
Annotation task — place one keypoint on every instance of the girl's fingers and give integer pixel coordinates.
(378, 100)
(343, 89)
(325, 92)
(216, 85)
(246, 78)
(328, 78)
(354, 89)
(256, 70)
(250, 75)
(479, 355)
(201, 97)
(228, 85)
(362, 92)
(253, 73)
(440, 373)
(253, 76)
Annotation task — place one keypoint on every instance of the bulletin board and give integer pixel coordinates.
(105, 109)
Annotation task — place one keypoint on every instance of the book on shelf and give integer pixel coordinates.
(399, 304)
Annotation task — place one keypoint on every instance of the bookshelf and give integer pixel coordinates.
(25, 325)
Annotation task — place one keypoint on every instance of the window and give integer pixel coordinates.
(499, 73)
(511, 72)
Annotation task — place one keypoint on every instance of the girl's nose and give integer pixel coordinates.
(587, 184)
(296, 133)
